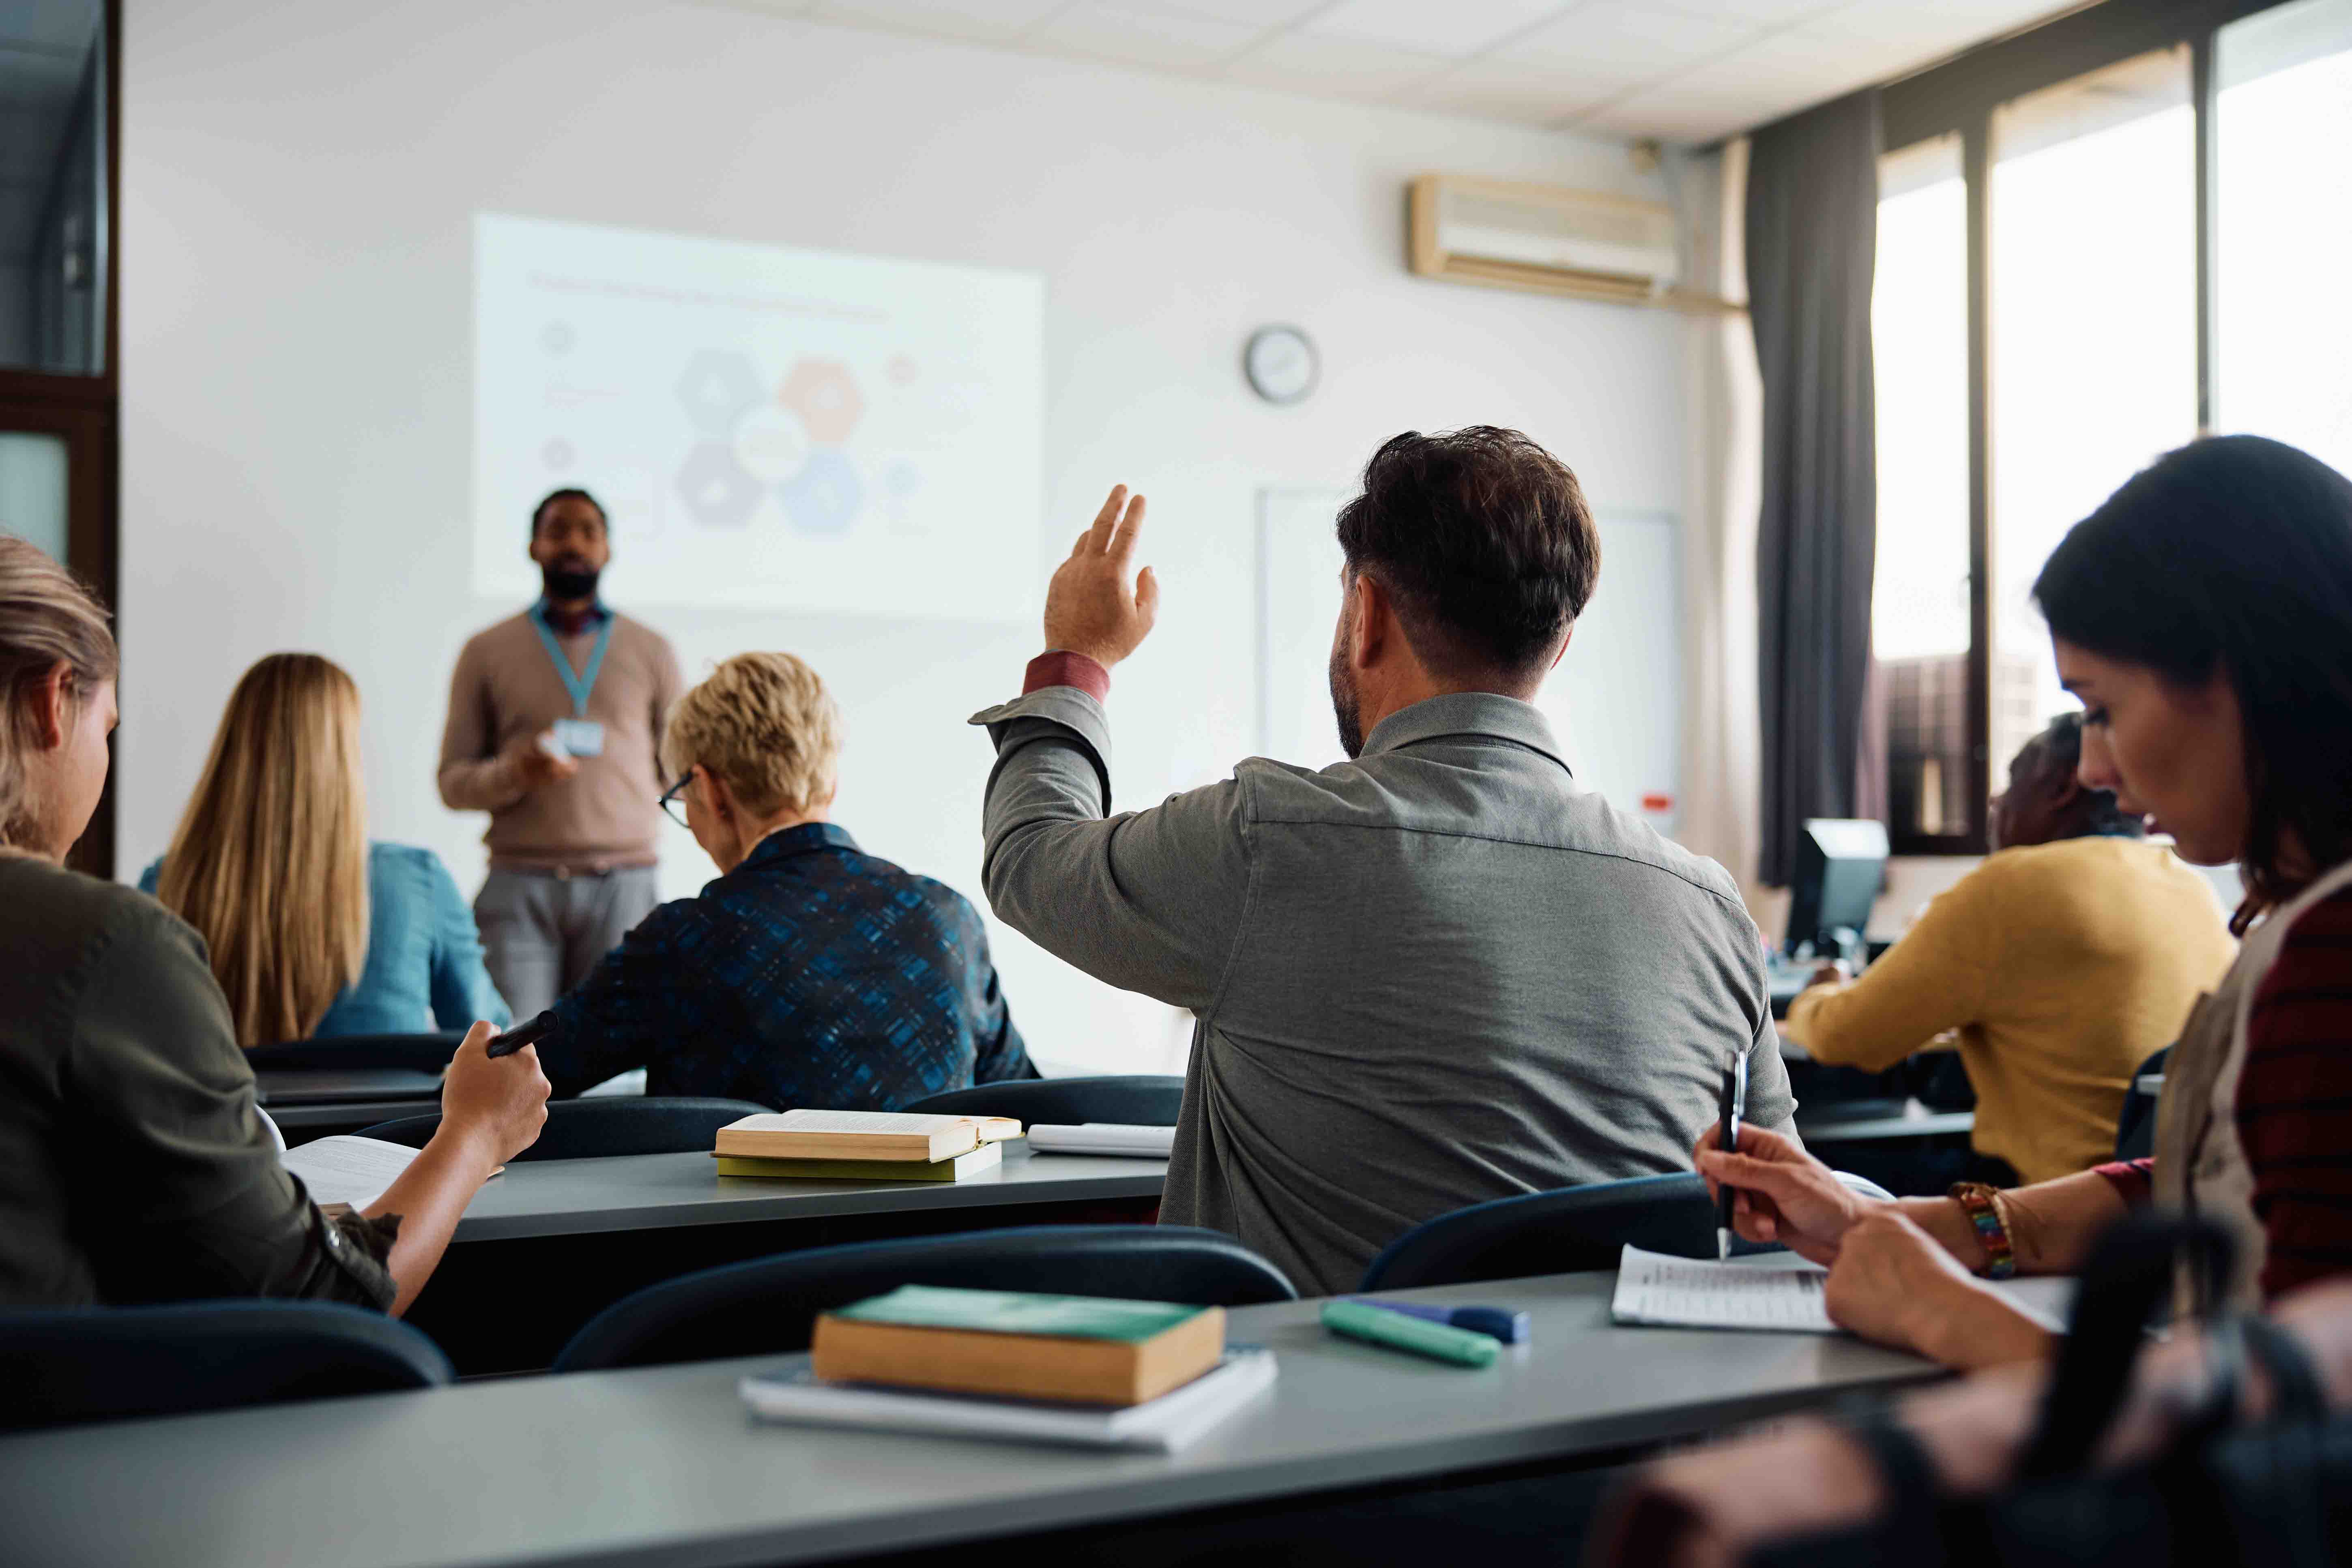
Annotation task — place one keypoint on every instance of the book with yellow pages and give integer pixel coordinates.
(958, 1168)
(1082, 1350)
(859, 1135)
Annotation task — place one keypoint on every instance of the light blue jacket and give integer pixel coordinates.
(425, 958)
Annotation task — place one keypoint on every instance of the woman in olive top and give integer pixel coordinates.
(133, 1165)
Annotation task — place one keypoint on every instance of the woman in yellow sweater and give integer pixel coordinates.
(2064, 960)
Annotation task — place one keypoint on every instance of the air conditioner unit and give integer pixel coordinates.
(1579, 243)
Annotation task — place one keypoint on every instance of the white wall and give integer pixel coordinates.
(298, 186)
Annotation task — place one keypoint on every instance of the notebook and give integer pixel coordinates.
(1162, 1425)
(1103, 1138)
(1695, 1293)
(348, 1169)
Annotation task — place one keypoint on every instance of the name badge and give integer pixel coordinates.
(580, 737)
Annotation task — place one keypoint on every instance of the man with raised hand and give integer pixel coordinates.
(1437, 974)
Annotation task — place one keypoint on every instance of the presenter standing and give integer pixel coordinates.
(555, 718)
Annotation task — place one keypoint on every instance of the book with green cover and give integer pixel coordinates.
(959, 1167)
(1016, 1313)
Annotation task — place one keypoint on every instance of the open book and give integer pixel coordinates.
(348, 1169)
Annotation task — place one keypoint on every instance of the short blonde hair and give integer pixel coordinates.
(47, 618)
(766, 727)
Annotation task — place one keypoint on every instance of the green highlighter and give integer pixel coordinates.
(1439, 1342)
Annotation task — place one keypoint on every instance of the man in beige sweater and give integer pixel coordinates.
(2063, 961)
(556, 721)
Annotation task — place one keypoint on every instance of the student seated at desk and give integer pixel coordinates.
(2203, 614)
(1436, 974)
(133, 1163)
(810, 974)
(312, 929)
(2065, 960)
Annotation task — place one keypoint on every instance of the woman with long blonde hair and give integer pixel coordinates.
(133, 1164)
(312, 929)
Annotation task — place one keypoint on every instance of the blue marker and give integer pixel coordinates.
(1508, 1326)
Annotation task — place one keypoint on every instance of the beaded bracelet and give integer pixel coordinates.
(1978, 1201)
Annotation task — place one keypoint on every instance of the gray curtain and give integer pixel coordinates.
(1812, 238)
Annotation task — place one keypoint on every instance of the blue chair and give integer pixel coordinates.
(63, 1366)
(418, 1053)
(769, 1306)
(1569, 1231)
(1140, 1099)
(588, 1129)
(2135, 1128)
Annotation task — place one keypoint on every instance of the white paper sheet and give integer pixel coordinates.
(1693, 1293)
(348, 1169)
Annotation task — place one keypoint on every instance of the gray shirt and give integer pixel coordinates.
(1435, 975)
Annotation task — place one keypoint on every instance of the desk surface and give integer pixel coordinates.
(647, 1192)
(662, 1467)
(1915, 1122)
(327, 1086)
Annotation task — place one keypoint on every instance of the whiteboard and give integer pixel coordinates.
(1615, 701)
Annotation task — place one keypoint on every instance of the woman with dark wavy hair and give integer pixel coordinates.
(2203, 614)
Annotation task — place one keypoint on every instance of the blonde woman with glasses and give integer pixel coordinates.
(314, 931)
(133, 1164)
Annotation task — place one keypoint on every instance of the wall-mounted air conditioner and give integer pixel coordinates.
(1579, 243)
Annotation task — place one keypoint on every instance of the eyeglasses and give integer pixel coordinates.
(669, 802)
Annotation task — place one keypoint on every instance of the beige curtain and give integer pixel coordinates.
(1723, 481)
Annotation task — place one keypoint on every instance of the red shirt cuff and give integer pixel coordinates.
(1063, 667)
(2133, 1180)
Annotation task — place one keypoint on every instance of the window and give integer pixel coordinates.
(2285, 229)
(1919, 622)
(2097, 239)
(2093, 334)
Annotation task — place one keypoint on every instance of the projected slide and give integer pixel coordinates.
(767, 428)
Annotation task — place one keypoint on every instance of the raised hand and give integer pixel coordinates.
(1089, 606)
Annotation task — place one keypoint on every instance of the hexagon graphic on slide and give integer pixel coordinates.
(772, 444)
(826, 396)
(717, 491)
(824, 498)
(718, 385)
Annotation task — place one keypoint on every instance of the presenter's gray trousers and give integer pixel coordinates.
(542, 933)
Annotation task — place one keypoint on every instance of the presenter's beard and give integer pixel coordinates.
(564, 587)
(1346, 706)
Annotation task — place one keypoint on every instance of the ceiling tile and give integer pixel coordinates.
(1135, 35)
(1767, 13)
(1507, 89)
(1338, 67)
(1458, 28)
(1760, 81)
(1626, 37)
(1264, 15)
(993, 20)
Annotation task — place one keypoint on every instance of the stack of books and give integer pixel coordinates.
(862, 1146)
(1075, 1369)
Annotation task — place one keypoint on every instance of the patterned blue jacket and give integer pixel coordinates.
(811, 975)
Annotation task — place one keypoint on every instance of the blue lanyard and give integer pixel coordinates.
(580, 685)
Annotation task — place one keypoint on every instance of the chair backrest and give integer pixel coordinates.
(2136, 1127)
(586, 1129)
(59, 1366)
(1565, 1232)
(1138, 1099)
(419, 1053)
(771, 1305)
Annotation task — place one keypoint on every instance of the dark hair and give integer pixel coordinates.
(2057, 752)
(2234, 554)
(1484, 540)
(552, 497)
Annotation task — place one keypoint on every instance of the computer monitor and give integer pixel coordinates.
(1841, 866)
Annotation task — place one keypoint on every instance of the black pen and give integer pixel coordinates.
(522, 1034)
(1734, 1106)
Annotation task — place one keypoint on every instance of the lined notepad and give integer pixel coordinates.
(1692, 1293)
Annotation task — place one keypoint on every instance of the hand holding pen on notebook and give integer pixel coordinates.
(1778, 1192)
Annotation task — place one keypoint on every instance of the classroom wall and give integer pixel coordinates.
(298, 187)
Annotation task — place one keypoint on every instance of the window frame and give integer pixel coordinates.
(1960, 96)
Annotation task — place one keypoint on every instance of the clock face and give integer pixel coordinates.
(1281, 363)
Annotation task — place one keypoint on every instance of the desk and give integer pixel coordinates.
(661, 1467)
(551, 1243)
(319, 1101)
(1913, 1121)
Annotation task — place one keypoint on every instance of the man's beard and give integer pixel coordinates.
(562, 586)
(1346, 707)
